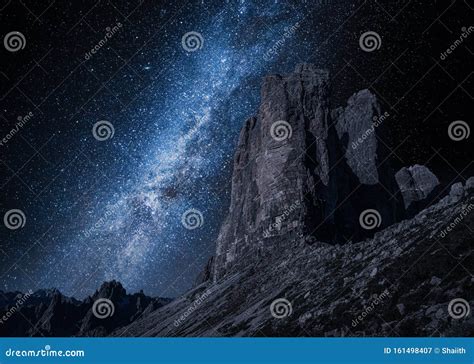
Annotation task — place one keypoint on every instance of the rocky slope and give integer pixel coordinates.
(400, 282)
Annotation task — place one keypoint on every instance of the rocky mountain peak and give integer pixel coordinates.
(296, 161)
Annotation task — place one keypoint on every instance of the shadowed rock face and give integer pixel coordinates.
(417, 183)
(283, 162)
(297, 174)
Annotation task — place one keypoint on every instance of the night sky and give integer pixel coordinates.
(170, 109)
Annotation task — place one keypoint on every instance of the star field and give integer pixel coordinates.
(112, 209)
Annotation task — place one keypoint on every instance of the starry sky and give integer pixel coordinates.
(98, 210)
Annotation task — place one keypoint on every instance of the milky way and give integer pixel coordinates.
(134, 232)
(113, 209)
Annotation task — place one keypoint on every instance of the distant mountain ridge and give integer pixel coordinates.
(50, 313)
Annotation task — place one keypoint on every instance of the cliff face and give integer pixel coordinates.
(297, 172)
(283, 162)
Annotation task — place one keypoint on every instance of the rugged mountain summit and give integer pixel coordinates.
(50, 313)
(301, 169)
